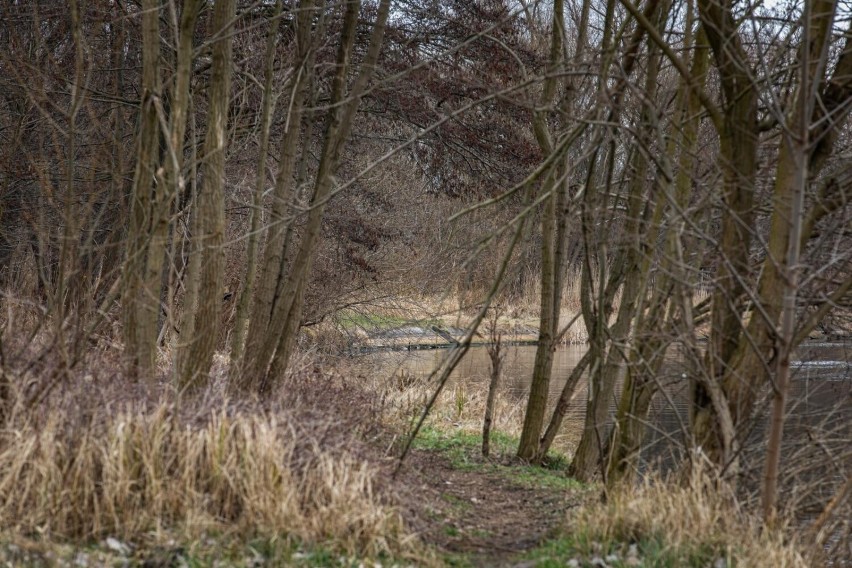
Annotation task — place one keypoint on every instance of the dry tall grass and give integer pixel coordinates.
(103, 457)
(139, 472)
(691, 523)
(460, 406)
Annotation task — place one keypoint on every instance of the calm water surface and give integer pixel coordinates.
(821, 388)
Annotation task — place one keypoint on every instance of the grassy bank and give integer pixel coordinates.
(661, 522)
(372, 323)
(104, 472)
(666, 523)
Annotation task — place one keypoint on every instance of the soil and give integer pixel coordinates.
(482, 513)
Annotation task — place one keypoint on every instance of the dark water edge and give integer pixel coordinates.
(817, 453)
(822, 380)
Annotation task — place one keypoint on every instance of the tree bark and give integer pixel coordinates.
(640, 383)
(739, 137)
(496, 363)
(259, 344)
(200, 329)
(742, 362)
(337, 133)
(552, 253)
(248, 286)
(138, 319)
(790, 187)
(273, 354)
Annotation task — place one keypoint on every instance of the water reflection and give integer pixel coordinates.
(821, 387)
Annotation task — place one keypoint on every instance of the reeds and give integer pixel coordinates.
(142, 472)
(696, 523)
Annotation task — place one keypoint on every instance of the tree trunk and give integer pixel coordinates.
(139, 322)
(274, 353)
(739, 137)
(201, 321)
(552, 251)
(258, 344)
(631, 272)
(248, 286)
(496, 363)
(790, 188)
(540, 385)
(742, 363)
(640, 383)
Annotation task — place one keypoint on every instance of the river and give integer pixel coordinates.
(821, 389)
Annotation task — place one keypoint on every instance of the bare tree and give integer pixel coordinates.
(270, 352)
(141, 305)
(201, 315)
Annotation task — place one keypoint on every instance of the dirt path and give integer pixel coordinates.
(484, 513)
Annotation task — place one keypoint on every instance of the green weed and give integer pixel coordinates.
(463, 449)
(586, 552)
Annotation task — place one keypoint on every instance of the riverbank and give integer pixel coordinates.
(436, 322)
(103, 475)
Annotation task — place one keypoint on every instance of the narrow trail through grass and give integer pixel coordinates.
(304, 480)
(484, 511)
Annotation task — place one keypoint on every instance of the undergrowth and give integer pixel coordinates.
(105, 460)
(669, 524)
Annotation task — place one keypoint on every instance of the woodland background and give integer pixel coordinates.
(196, 196)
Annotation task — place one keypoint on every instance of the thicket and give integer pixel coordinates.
(195, 184)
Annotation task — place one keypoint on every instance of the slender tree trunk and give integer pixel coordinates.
(562, 404)
(111, 263)
(261, 326)
(274, 353)
(551, 263)
(247, 289)
(69, 249)
(139, 336)
(631, 272)
(542, 368)
(596, 311)
(336, 137)
(201, 328)
(640, 383)
(171, 183)
(496, 364)
(790, 188)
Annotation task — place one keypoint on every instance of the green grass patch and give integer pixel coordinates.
(201, 553)
(531, 476)
(585, 550)
(457, 560)
(455, 502)
(464, 450)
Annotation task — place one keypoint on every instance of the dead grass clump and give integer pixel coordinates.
(136, 473)
(460, 406)
(694, 524)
